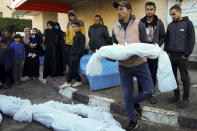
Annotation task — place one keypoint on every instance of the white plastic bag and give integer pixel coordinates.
(105, 117)
(165, 75)
(59, 116)
(43, 115)
(24, 114)
(85, 111)
(15, 107)
(66, 117)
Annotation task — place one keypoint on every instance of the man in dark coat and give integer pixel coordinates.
(179, 44)
(156, 35)
(98, 34)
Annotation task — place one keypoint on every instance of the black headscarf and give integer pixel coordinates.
(51, 23)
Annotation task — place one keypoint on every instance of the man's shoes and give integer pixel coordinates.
(77, 84)
(132, 125)
(153, 100)
(26, 78)
(66, 84)
(174, 99)
(138, 109)
(183, 104)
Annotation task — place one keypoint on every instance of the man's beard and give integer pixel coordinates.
(149, 16)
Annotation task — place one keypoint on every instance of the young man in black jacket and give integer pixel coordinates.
(98, 34)
(156, 35)
(77, 52)
(179, 44)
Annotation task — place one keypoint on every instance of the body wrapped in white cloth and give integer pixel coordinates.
(165, 76)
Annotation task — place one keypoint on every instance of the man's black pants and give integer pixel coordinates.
(182, 64)
(73, 70)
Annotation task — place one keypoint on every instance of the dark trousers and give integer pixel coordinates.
(9, 76)
(181, 64)
(73, 70)
(18, 69)
(2, 74)
(144, 78)
(68, 53)
(6, 76)
(153, 65)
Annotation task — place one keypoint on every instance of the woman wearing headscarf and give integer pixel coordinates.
(62, 45)
(52, 60)
(32, 64)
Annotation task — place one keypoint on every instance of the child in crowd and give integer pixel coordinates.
(77, 52)
(6, 63)
(34, 40)
(19, 58)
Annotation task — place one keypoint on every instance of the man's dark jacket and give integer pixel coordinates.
(180, 37)
(159, 30)
(78, 46)
(99, 36)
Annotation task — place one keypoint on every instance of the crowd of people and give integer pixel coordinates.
(19, 56)
(178, 40)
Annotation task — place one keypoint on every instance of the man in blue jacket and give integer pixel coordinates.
(179, 44)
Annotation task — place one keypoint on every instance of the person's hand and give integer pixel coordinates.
(168, 54)
(183, 57)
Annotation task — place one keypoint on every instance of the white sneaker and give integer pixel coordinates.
(66, 84)
(33, 55)
(77, 84)
(26, 78)
(30, 55)
(44, 81)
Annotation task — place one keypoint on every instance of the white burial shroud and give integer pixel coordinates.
(165, 76)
